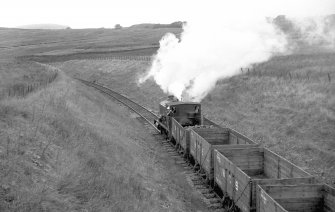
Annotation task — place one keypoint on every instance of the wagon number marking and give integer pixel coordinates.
(263, 197)
(218, 158)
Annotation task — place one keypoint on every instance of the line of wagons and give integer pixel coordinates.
(251, 177)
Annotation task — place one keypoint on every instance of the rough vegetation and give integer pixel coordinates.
(286, 103)
(18, 78)
(64, 147)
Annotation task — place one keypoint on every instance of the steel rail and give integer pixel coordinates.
(143, 112)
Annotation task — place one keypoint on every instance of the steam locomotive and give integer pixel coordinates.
(185, 113)
(247, 176)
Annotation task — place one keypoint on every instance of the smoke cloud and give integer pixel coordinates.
(311, 33)
(217, 43)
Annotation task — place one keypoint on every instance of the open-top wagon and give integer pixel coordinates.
(203, 141)
(238, 171)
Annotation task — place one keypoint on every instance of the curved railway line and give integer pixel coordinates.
(147, 117)
(247, 165)
(143, 112)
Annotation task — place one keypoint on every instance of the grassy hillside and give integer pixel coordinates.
(121, 75)
(65, 147)
(286, 103)
(17, 78)
(69, 148)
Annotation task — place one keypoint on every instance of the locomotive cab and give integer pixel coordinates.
(186, 113)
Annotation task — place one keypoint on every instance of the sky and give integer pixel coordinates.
(107, 13)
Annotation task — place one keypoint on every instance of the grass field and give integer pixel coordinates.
(64, 147)
(20, 42)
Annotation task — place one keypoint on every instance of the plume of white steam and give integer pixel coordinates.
(319, 30)
(309, 33)
(215, 46)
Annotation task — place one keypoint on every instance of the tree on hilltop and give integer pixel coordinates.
(117, 26)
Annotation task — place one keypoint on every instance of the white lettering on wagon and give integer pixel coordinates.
(218, 158)
(218, 180)
(263, 197)
(236, 185)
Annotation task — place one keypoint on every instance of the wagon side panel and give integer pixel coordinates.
(266, 203)
(238, 138)
(220, 171)
(206, 152)
(298, 198)
(276, 166)
(193, 144)
(329, 199)
(242, 190)
(289, 181)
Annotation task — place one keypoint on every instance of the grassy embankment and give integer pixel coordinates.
(287, 104)
(65, 147)
(19, 78)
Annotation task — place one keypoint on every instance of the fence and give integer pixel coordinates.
(323, 77)
(125, 57)
(21, 89)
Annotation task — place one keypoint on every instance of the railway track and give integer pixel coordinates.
(147, 117)
(143, 112)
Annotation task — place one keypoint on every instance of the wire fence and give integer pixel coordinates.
(125, 57)
(23, 89)
(308, 76)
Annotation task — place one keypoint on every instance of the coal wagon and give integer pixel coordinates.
(296, 198)
(203, 141)
(238, 171)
